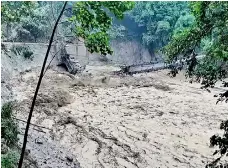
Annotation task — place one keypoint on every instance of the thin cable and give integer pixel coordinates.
(53, 56)
(37, 89)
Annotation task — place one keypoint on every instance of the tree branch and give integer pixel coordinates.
(32, 124)
(53, 56)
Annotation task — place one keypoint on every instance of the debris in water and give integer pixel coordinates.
(69, 158)
(38, 141)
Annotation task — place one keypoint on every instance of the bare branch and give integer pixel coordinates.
(32, 123)
(53, 56)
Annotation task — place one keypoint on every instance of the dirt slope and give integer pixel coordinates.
(144, 121)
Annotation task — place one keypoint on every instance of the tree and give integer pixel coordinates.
(117, 31)
(184, 21)
(33, 23)
(9, 136)
(159, 20)
(211, 23)
(14, 11)
(92, 23)
(222, 143)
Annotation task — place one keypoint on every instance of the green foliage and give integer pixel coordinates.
(210, 30)
(221, 142)
(22, 50)
(35, 26)
(9, 129)
(180, 44)
(117, 31)
(13, 11)
(89, 20)
(184, 21)
(10, 159)
(210, 70)
(28, 54)
(198, 10)
(92, 22)
(9, 133)
(209, 16)
(205, 44)
(160, 19)
(211, 23)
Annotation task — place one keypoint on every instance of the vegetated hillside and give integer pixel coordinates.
(101, 120)
(97, 119)
(135, 39)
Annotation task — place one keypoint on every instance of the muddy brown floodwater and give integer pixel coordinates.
(106, 121)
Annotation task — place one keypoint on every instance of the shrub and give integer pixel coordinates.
(28, 54)
(16, 49)
(210, 70)
(21, 50)
(10, 159)
(9, 133)
(9, 128)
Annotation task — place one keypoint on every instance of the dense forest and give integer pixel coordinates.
(178, 30)
(152, 23)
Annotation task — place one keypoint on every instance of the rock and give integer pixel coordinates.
(172, 112)
(38, 141)
(69, 158)
(105, 79)
(145, 135)
(28, 70)
(160, 113)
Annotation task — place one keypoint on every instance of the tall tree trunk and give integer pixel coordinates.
(37, 89)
